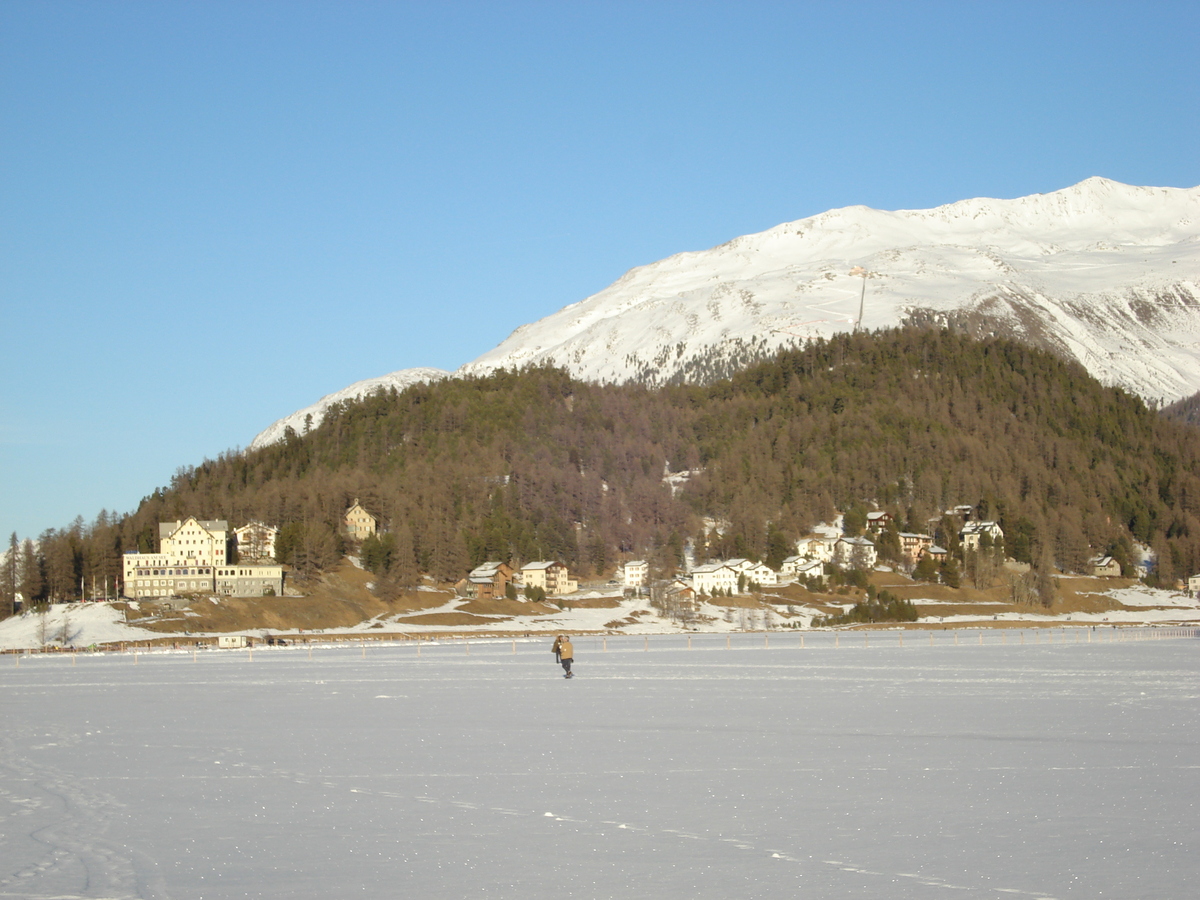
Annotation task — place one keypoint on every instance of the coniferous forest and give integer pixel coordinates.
(535, 465)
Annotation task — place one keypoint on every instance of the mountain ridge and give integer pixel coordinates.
(1101, 272)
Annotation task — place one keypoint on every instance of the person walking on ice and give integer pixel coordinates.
(566, 654)
(557, 643)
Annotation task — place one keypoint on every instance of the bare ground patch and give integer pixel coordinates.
(502, 606)
(446, 619)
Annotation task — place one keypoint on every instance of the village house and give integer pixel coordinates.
(359, 523)
(712, 578)
(817, 546)
(487, 581)
(1104, 567)
(972, 533)
(911, 545)
(635, 573)
(193, 558)
(1193, 585)
(255, 541)
(799, 568)
(878, 520)
(789, 566)
(855, 553)
(552, 577)
(680, 590)
(936, 553)
(753, 572)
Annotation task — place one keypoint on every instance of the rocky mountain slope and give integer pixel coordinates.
(1101, 272)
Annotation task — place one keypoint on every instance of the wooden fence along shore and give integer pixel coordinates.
(816, 639)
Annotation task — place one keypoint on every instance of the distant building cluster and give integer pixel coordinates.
(817, 551)
(491, 579)
(195, 556)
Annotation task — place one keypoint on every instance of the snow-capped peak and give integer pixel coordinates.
(1104, 272)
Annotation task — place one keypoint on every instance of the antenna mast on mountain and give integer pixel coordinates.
(859, 270)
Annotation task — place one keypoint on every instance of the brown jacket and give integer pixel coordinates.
(565, 650)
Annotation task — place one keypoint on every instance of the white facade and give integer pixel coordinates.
(855, 553)
(635, 573)
(713, 577)
(791, 565)
(192, 542)
(758, 573)
(552, 577)
(972, 532)
(255, 541)
(811, 568)
(723, 576)
(817, 546)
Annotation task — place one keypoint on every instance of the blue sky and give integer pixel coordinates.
(212, 214)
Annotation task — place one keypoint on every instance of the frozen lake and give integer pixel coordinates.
(1065, 769)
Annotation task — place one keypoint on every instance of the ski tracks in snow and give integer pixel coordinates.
(742, 844)
(52, 834)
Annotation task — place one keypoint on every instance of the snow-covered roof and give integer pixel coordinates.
(486, 570)
(979, 527)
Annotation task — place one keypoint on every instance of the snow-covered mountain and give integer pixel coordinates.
(1102, 272)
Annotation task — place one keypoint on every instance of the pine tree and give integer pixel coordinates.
(9, 577)
(32, 577)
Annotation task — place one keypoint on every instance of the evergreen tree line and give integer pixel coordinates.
(536, 465)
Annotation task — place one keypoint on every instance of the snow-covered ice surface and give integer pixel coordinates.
(766, 770)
